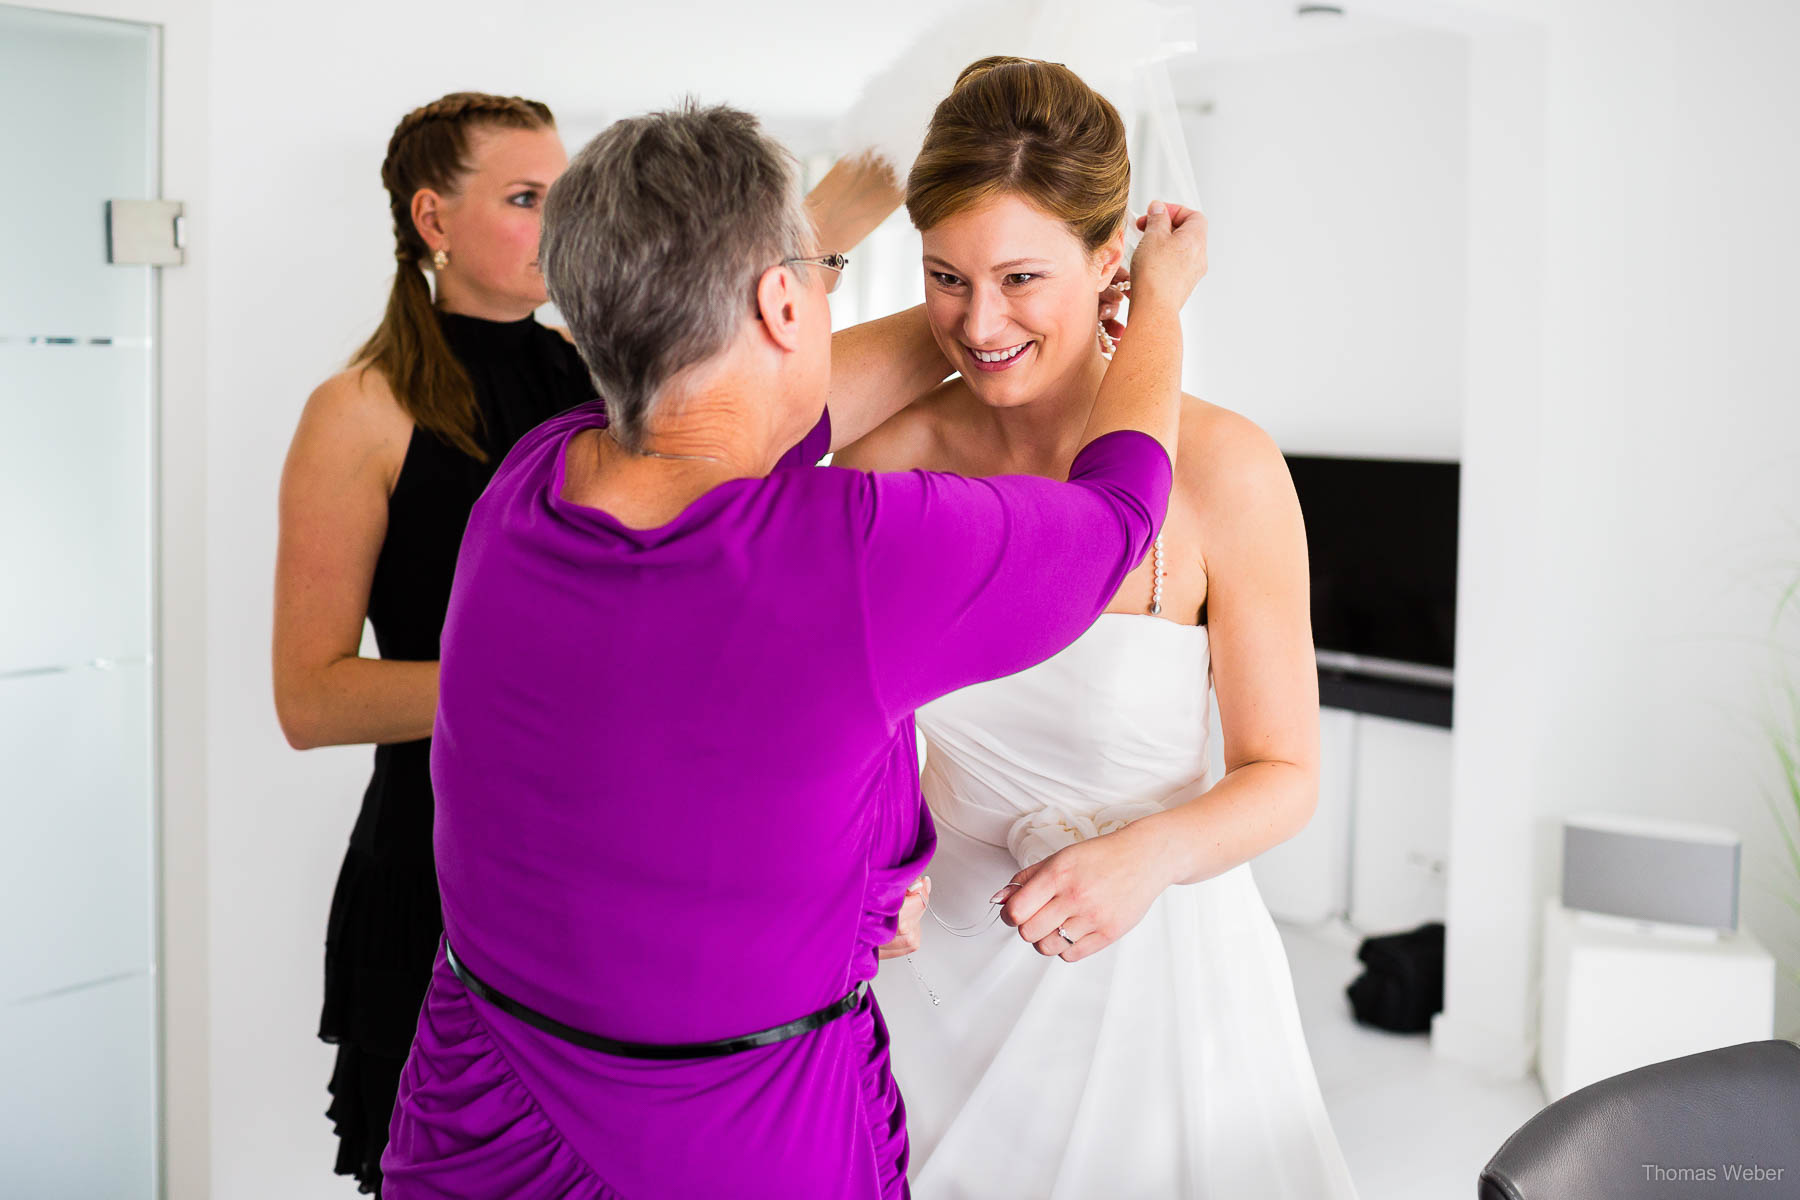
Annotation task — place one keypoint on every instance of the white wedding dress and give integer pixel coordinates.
(1170, 1065)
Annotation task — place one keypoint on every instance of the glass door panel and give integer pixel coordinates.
(78, 809)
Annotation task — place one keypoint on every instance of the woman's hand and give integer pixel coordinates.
(855, 196)
(912, 912)
(1095, 891)
(1171, 258)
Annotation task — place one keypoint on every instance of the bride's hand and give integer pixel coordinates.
(1171, 258)
(912, 912)
(1095, 891)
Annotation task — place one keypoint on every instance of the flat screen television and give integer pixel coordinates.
(1381, 540)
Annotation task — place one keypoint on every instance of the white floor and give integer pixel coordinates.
(1412, 1126)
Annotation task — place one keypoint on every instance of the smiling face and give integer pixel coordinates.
(1011, 295)
(491, 223)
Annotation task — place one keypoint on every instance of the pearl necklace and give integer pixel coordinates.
(1157, 580)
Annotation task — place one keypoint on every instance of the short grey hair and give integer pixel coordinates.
(652, 243)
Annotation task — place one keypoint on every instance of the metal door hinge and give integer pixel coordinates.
(146, 231)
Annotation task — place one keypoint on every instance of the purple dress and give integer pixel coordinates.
(678, 801)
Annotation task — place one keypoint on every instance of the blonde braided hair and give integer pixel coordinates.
(429, 149)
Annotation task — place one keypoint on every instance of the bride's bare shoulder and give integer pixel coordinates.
(913, 437)
(1225, 460)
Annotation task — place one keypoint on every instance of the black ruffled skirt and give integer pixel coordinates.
(386, 921)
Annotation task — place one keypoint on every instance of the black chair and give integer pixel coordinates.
(1657, 1132)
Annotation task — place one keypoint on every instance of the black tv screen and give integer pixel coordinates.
(1381, 537)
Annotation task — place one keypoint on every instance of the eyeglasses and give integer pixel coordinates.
(835, 263)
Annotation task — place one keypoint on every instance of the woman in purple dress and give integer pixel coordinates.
(677, 797)
(389, 458)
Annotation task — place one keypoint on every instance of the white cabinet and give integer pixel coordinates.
(1377, 848)
(1619, 995)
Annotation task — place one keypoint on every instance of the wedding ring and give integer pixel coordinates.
(1065, 937)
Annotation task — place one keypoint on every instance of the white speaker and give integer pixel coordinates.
(1647, 869)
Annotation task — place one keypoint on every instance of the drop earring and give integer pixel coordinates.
(440, 259)
(1107, 342)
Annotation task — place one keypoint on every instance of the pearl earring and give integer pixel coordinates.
(440, 259)
(1107, 343)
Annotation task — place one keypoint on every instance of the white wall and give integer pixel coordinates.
(1334, 179)
(1671, 473)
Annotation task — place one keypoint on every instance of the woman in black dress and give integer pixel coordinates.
(389, 458)
(387, 461)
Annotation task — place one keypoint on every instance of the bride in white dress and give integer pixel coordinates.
(1129, 1028)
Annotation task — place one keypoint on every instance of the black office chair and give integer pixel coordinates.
(1653, 1133)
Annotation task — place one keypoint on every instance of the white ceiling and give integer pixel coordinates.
(595, 62)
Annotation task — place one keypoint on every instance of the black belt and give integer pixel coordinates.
(656, 1050)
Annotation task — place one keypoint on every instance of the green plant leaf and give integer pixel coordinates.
(1780, 817)
(1788, 596)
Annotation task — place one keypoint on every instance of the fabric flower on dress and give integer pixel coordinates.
(1036, 836)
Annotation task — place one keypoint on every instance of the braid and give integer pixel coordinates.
(429, 149)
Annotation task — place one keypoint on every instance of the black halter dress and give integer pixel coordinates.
(385, 918)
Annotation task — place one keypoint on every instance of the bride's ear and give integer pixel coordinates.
(1109, 258)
